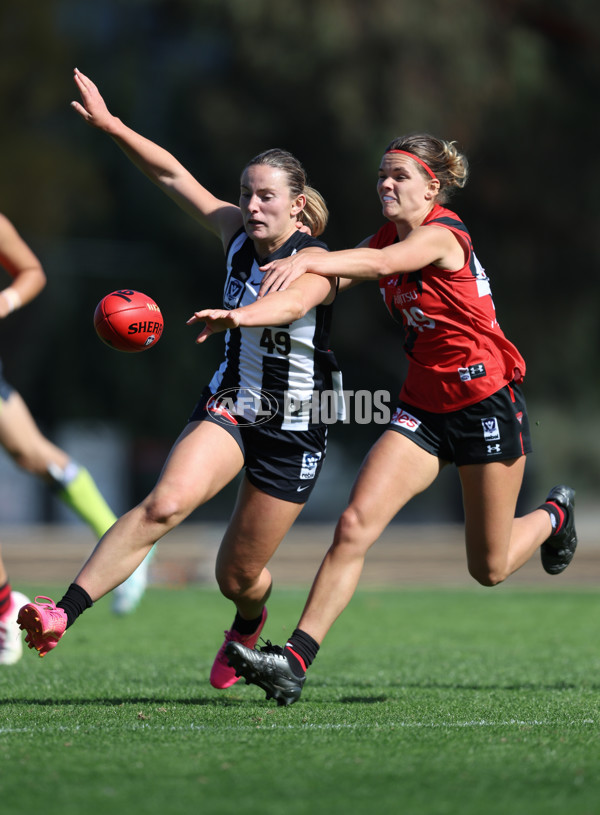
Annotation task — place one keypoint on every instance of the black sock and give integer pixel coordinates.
(246, 627)
(300, 650)
(74, 602)
(558, 515)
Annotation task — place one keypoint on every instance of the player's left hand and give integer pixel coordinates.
(92, 107)
(216, 319)
(301, 227)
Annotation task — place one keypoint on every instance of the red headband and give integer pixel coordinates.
(416, 158)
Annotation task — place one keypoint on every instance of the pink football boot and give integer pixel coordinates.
(222, 675)
(44, 622)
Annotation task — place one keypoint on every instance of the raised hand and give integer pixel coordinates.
(92, 108)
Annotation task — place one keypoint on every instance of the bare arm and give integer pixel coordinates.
(279, 308)
(425, 245)
(162, 168)
(28, 277)
(348, 282)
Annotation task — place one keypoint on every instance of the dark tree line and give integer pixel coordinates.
(514, 82)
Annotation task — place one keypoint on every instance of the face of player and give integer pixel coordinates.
(268, 209)
(405, 194)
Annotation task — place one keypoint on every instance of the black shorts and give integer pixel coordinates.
(5, 388)
(495, 429)
(281, 463)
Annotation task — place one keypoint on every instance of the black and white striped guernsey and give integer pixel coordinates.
(279, 371)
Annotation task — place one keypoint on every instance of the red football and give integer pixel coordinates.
(128, 321)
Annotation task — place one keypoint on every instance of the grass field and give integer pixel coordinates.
(428, 701)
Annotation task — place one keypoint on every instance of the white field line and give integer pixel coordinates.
(358, 726)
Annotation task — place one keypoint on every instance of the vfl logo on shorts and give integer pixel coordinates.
(310, 462)
(405, 420)
(472, 372)
(491, 431)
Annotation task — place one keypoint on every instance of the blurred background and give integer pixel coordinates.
(515, 82)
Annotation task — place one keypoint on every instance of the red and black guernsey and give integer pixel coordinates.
(457, 352)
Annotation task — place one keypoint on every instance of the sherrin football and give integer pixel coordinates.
(128, 320)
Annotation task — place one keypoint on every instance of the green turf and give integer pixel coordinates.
(421, 701)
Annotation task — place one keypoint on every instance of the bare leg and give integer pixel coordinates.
(26, 445)
(498, 543)
(24, 442)
(257, 527)
(3, 573)
(395, 470)
(203, 460)
(34, 453)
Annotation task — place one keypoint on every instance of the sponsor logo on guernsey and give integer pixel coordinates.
(310, 462)
(491, 431)
(406, 420)
(519, 416)
(402, 297)
(472, 372)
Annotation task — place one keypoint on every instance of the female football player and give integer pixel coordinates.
(253, 414)
(24, 442)
(461, 403)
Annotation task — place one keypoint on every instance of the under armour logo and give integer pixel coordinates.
(493, 448)
(477, 370)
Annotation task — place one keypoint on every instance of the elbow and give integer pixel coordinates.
(41, 280)
(164, 179)
(384, 269)
(296, 313)
(297, 307)
(35, 282)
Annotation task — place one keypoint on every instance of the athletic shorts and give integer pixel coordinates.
(281, 463)
(5, 388)
(495, 429)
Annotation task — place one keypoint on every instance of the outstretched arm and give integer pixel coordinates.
(279, 308)
(28, 277)
(425, 245)
(162, 168)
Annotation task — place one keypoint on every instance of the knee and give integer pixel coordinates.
(350, 527)
(234, 580)
(162, 509)
(28, 462)
(487, 574)
(353, 536)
